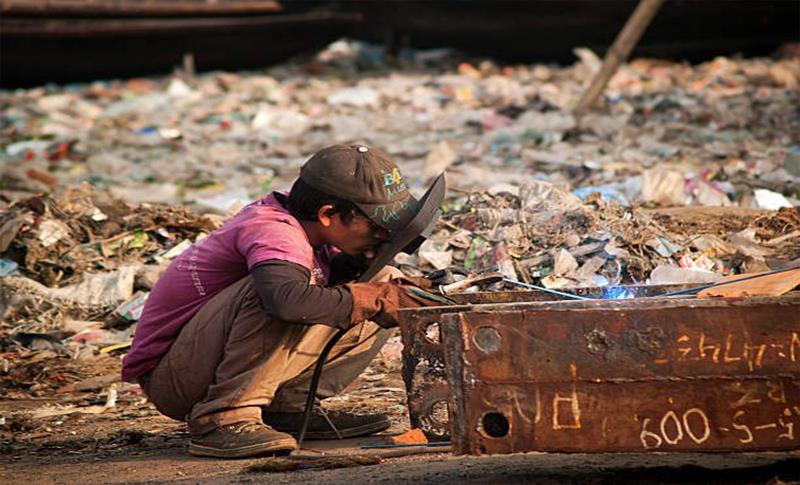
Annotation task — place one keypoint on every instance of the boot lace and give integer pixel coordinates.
(246, 426)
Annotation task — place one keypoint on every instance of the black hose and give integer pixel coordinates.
(314, 384)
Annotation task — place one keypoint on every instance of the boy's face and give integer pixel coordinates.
(357, 237)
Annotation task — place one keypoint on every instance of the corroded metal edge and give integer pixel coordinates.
(469, 384)
(451, 325)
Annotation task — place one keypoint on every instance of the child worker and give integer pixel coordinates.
(230, 331)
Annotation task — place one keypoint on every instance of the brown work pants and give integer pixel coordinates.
(231, 360)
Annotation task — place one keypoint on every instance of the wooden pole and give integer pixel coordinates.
(619, 51)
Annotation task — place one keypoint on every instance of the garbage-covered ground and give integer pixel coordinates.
(686, 173)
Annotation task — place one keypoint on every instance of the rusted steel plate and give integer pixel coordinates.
(745, 414)
(635, 375)
(423, 372)
(423, 354)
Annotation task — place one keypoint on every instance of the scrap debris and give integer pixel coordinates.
(686, 174)
(541, 233)
(721, 133)
(84, 263)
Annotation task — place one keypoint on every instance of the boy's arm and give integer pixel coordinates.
(286, 294)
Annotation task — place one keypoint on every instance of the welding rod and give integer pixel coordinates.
(546, 290)
(690, 291)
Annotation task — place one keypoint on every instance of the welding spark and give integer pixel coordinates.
(618, 293)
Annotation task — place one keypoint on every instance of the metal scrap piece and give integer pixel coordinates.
(673, 375)
(423, 354)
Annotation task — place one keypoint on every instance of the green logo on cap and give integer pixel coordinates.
(390, 213)
(393, 182)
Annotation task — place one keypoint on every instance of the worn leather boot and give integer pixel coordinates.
(328, 425)
(242, 440)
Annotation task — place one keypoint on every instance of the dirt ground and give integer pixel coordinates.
(74, 435)
(130, 457)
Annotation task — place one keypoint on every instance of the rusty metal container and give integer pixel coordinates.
(651, 374)
(423, 353)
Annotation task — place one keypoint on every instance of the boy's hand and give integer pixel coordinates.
(381, 302)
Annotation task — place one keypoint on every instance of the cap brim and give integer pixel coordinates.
(422, 217)
(393, 216)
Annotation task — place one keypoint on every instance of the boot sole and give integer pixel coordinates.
(353, 432)
(258, 449)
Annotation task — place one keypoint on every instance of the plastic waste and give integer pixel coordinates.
(665, 187)
(225, 202)
(7, 267)
(767, 199)
(668, 274)
(360, 97)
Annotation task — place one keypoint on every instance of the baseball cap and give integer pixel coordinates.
(366, 177)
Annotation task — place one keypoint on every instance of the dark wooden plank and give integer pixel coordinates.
(136, 8)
